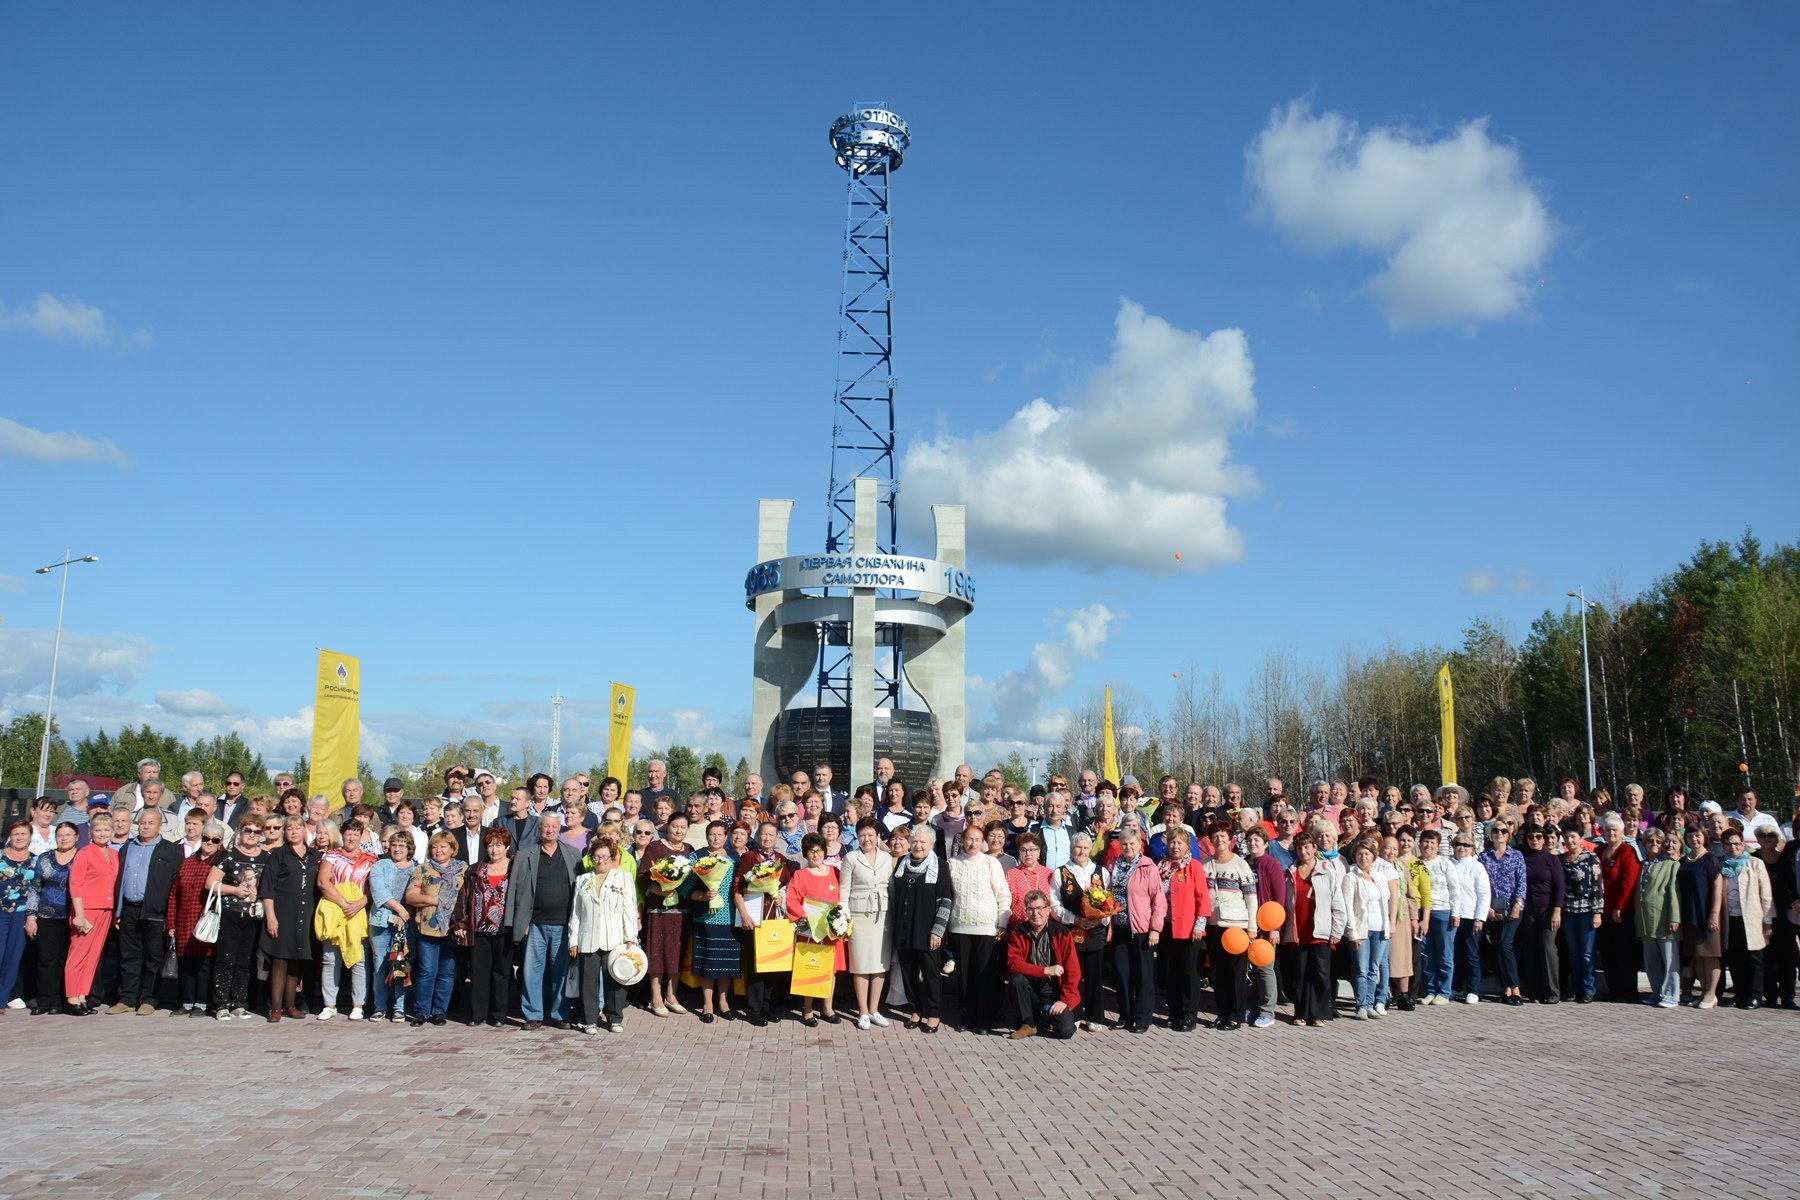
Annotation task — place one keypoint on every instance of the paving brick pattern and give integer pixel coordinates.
(1456, 1102)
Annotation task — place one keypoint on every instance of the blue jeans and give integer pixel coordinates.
(1662, 963)
(1438, 955)
(434, 976)
(1371, 971)
(1505, 932)
(1468, 959)
(1578, 951)
(12, 949)
(546, 964)
(380, 942)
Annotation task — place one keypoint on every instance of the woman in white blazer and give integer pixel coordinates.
(603, 917)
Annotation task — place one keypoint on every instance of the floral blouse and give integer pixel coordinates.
(1581, 884)
(18, 880)
(50, 892)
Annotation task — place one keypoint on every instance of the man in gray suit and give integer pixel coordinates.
(539, 897)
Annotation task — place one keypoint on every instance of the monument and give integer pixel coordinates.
(859, 648)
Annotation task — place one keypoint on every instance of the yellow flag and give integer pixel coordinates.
(1447, 717)
(618, 744)
(336, 725)
(1110, 749)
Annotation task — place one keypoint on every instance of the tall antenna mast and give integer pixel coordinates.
(870, 142)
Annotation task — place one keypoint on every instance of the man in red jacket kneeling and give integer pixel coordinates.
(1043, 972)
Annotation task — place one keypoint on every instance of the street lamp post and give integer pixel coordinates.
(55, 653)
(1587, 686)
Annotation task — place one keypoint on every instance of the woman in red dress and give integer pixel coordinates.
(816, 881)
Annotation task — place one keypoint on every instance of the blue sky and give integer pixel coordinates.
(466, 338)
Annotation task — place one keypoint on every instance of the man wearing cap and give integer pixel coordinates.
(1043, 972)
(391, 791)
(141, 904)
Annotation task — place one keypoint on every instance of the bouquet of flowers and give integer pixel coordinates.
(764, 877)
(668, 874)
(827, 922)
(1097, 904)
(710, 869)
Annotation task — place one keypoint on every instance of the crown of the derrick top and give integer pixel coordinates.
(868, 135)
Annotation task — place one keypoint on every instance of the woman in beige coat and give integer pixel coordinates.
(1749, 917)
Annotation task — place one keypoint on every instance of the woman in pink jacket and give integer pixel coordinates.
(1137, 886)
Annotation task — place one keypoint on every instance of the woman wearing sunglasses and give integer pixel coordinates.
(187, 900)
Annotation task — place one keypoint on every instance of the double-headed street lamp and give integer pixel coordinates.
(55, 653)
(1587, 685)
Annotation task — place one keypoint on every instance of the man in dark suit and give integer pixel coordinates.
(147, 867)
(468, 838)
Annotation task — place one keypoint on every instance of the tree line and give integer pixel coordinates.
(1696, 681)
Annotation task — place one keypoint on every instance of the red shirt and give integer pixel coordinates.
(1303, 912)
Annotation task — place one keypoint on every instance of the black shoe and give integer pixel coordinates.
(758, 1020)
(554, 1023)
(1749, 1004)
(1584, 999)
(811, 1021)
(1514, 1001)
(706, 1018)
(440, 1019)
(1789, 1004)
(415, 1022)
(494, 1022)
(1228, 1026)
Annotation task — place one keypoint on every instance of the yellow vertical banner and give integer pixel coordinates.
(1447, 718)
(1109, 749)
(336, 725)
(618, 742)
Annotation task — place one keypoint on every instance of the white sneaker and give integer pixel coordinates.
(1262, 1022)
(948, 968)
(1471, 998)
(223, 1016)
(377, 1016)
(356, 1014)
(15, 1002)
(590, 1029)
(327, 1014)
(879, 1021)
(1361, 1014)
(863, 1022)
(1380, 1010)
(1668, 1004)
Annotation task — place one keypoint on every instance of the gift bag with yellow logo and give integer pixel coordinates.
(775, 947)
(688, 978)
(815, 968)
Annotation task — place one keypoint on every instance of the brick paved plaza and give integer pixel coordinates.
(1448, 1102)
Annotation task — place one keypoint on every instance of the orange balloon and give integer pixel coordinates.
(1270, 916)
(1262, 953)
(1234, 941)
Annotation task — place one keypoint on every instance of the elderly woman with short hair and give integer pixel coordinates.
(1749, 917)
(921, 897)
(432, 897)
(187, 901)
(1657, 917)
(1143, 908)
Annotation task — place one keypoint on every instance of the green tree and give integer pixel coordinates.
(20, 743)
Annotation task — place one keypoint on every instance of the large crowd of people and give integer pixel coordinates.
(1053, 910)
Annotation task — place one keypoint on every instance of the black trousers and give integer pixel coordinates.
(490, 975)
(600, 996)
(1780, 960)
(1536, 945)
(759, 988)
(1033, 998)
(1092, 957)
(234, 958)
(1179, 959)
(1311, 968)
(1746, 964)
(140, 955)
(1230, 977)
(978, 975)
(920, 969)
(196, 978)
(1620, 956)
(1134, 975)
(53, 952)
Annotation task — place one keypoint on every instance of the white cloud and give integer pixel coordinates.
(22, 441)
(1463, 232)
(1131, 474)
(88, 662)
(67, 320)
(1012, 709)
(11, 583)
(195, 702)
(1490, 581)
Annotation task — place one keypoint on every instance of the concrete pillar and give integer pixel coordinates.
(784, 659)
(934, 665)
(862, 645)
